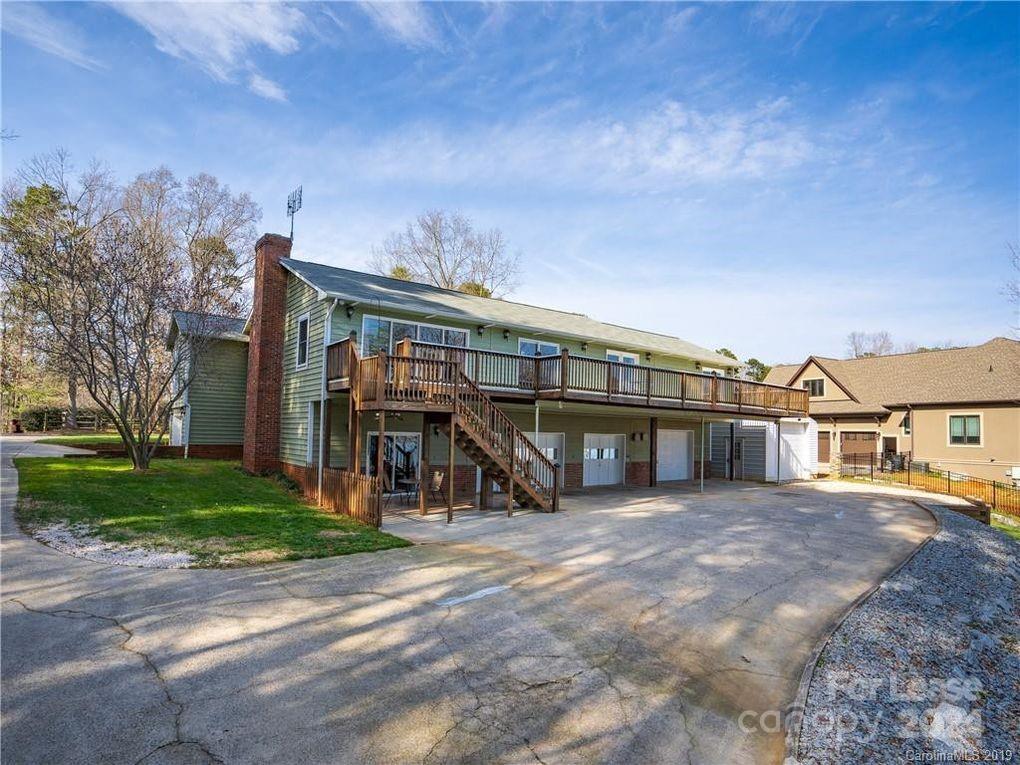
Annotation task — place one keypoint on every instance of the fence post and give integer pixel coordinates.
(908, 471)
(994, 504)
(872, 467)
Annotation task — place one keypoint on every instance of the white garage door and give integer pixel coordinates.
(675, 448)
(603, 459)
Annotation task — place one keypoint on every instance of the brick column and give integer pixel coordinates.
(265, 356)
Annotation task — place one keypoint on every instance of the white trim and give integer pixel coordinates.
(305, 317)
(624, 355)
(890, 435)
(907, 431)
(813, 379)
(536, 341)
(981, 430)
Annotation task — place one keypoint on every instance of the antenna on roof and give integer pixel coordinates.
(293, 205)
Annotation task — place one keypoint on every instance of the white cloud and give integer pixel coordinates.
(266, 88)
(650, 152)
(222, 38)
(41, 30)
(409, 23)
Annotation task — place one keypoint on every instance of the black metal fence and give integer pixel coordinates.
(903, 469)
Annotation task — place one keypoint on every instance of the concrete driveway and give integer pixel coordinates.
(635, 626)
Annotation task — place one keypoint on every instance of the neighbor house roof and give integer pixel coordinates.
(398, 295)
(206, 325)
(987, 372)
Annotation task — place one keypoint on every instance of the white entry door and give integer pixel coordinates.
(675, 451)
(603, 459)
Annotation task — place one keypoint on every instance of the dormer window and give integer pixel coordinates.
(815, 388)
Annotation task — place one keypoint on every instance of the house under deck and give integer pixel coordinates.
(460, 391)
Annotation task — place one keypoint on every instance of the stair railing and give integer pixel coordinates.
(527, 462)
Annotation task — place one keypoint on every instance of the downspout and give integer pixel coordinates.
(323, 399)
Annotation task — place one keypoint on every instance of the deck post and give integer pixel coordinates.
(564, 372)
(556, 487)
(380, 378)
(510, 480)
(653, 450)
(449, 480)
(733, 441)
(702, 489)
(424, 471)
(779, 452)
(380, 462)
(485, 495)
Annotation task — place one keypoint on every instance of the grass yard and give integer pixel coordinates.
(1007, 529)
(81, 439)
(209, 508)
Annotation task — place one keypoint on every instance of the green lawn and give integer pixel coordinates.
(1007, 529)
(209, 508)
(79, 439)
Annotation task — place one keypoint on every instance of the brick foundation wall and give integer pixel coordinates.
(265, 357)
(639, 474)
(464, 479)
(573, 475)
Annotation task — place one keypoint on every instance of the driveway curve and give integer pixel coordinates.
(635, 626)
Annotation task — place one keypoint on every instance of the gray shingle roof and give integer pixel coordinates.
(399, 295)
(207, 325)
(986, 372)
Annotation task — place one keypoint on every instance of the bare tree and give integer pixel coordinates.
(104, 268)
(861, 344)
(443, 249)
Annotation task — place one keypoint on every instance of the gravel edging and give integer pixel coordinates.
(78, 540)
(926, 665)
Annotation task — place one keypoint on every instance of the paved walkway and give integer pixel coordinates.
(635, 626)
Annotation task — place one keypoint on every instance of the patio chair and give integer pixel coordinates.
(436, 485)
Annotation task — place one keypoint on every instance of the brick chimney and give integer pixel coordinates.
(265, 357)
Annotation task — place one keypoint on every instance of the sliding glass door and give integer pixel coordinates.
(401, 459)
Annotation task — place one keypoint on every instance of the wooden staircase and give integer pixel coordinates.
(503, 452)
(478, 427)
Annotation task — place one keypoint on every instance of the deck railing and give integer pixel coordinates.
(584, 378)
(564, 376)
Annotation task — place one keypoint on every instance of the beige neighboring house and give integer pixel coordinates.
(958, 409)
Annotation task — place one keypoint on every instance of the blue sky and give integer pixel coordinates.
(765, 177)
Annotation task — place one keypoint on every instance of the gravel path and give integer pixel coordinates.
(928, 667)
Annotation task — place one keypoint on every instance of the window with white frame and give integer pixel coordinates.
(379, 333)
(528, 347)
(622, 357)
(302, 342)
(965, 429)
(815, 388)
(906, 424)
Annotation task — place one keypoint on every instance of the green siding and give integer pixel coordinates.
(300, 386)
(492, 337)
(216, 396)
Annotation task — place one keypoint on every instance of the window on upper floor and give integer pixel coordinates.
(965, 429)
(378, 333)
(906, 424)
(815, 388)
(302, 342)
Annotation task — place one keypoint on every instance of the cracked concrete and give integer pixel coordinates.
(636, 627)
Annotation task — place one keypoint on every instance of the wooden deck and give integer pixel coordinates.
(418, 377)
